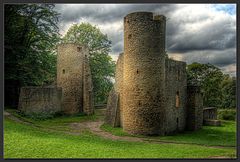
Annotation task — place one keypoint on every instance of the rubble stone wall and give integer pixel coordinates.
(40, 100)
(88, 102)
(175, 87)
(194, 108)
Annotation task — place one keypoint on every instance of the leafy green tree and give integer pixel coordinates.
(209, 78)
(30, 36)
(102, 65)
(228, 87)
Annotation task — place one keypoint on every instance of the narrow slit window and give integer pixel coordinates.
(63, 71)
(178, 74)
(177, 100)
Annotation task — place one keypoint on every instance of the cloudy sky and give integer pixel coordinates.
(204, 33)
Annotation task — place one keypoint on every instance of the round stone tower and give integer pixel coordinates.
(143, 74)
(70, 71)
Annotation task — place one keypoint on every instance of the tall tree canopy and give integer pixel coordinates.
(30, 36)
(215, 85)
(102, 65)
(228, 88)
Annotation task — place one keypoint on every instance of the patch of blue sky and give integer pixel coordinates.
(228, 8)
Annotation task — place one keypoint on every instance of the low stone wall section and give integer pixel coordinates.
(40, 100)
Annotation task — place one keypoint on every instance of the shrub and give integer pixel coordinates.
(40, 116)
(227, 114)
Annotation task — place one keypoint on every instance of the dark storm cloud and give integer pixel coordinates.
(197, 33)
(102, 13)
(203, 31)
(215, 57)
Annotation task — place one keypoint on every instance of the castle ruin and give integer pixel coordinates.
(150, 95)
(74, 90)
(74, 76)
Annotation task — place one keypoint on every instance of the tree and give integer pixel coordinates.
(102, 65)
(209, 78)
(31, 34)
(228, 92)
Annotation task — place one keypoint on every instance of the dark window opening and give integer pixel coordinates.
(177, 100)
(178, 74)
(63, 71)
(137, 71)
(129, 36)
(79, 49)
(177, 123)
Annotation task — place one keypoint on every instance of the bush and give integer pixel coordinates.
(227, 114)
(40, 116)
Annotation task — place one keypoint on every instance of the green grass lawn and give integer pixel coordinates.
(25, 141)
(60, 123)
(224, 135)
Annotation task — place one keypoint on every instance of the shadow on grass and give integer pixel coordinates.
(224, 135)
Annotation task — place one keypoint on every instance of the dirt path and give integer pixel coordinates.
(94, 127)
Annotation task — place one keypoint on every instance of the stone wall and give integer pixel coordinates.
(143, 74)
(194, 108)
(210, 116)
(114, 106)
(210, 113)
(70, 64)
(40, 100)
(176, 91)
(112, 112)
(88, 103)
(118, 86)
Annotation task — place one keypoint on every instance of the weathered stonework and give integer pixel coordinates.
(40, 100)
(212, 122)
(152, 89)
(175, 87)
(112, 113)
(87, 88)
(210, 116)
(118, 87)
(143, 74)
(194, 108)
(74, 76)
(210, 113)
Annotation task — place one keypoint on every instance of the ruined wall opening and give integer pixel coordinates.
(177, 100)
(63, 71)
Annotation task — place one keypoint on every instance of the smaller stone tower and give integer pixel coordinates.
(74, 76)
